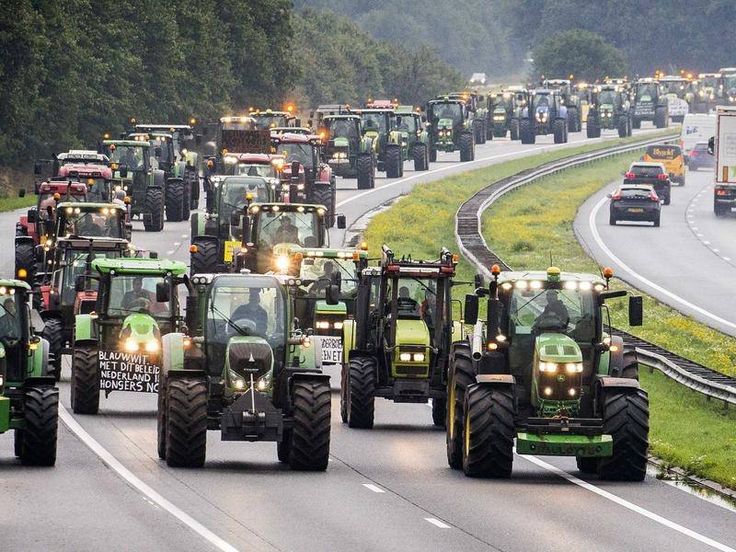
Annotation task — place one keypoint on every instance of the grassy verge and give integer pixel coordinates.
(532, 222)
(12, 203)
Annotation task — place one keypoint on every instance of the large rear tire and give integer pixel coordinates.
(626, 419)
(559, 131)
(310, 436)
(366, 172)
(623, 127)
(421, 163)
(41, 412)
(587, 464)
(660, 117)
(175, 200)
(53, 333)
(85, 384)
(186, 423)
(205, 259)
(526, 132)
(479, 131)
(25, 258)
(394, 163)
(592, 130)
(466, 148)
(161, 420)
(462, 375)
(488, 440)
(636, 123)
(325, 195)
(361, 389)
(155, 208)
(192, 180)
(573, 117)
(513, 129)
(432, 155)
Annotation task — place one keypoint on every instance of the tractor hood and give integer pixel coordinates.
(341, 142)
(245, 353)
(444, 123)
(558, 348)
(140, 326)
(412, 332)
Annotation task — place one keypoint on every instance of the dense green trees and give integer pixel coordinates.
(580, 53)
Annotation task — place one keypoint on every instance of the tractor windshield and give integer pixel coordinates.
(646, 92)
(10, 320)
(675, 87)
(130, 156)
(130, 293)
(304, 153)
(167, 151)
(374, 121)
(501, 101)
(270, 121)
(265, 170)
(233, 191)
(288, 227)
(452, 111)
(98, 190)
(342, 128)
(76, 263)
(607, 97)
(542, 100)
(710, 82)
(317, 273)
(418, 298)
(99, 222)
(729, 83)
(406, 123)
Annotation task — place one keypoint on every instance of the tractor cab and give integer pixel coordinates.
(98, 179)
(234, 194)
(130, 158)
(163, 148)
(268, 118)
(92, 220)
(18, 345)
(450, 127)
(343, 134)
(263, 165)
(677, 86)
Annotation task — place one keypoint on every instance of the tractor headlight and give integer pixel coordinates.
(322, 325)
(405, 357)
(418, 357)
(130, 345)
(282, 263)
(548, 367)
(337, 325)
(574, 367)
(152, 346)
(411, 357)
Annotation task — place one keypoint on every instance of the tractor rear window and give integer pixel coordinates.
(318, 272)
(645, 171)
(342, 128)
(130, 156)
(264, 170)
(374, 122)
(452, 111)
(663, 152)
(297, 152)
(646, 92)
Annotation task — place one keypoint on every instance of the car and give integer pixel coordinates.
(699, 158)
(634, 202)
(655, 174)
(671, 157)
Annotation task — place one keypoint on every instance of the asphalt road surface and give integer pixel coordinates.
(385, 489)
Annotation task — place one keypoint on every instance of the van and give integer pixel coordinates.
(671, 157)
(696, 128)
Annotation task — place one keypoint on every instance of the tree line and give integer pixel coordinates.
(71, 70)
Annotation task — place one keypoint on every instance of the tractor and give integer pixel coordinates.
(544, 370)
(29, 399)
(409, 129)
(245, 370)
(679, 96)
(262, 165)
(60, 301)
(308, 178)
(136, 170)
(268, 118)
(378, 117)
(98, 179)
(649, 103)
(118, 346)
(502, 106)
(315, 270)
(709, 92)
(450, 128)
(570, 100)
(397, 344)
(544, 114)
(609, 109)
(348, 152)
(181, 143)
(478, 106)
(216, 233)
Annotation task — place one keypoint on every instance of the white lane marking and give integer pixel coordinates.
(114, 464)
(597, 237)
(437, 523)
(630, 505)
(374, 488)
(726, 258)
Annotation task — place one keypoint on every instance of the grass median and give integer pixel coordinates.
(534, 222)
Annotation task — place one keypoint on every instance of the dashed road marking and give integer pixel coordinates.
(437, 523)
(374, 488)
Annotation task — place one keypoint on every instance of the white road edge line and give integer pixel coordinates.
(626, 268)
(437, 523)
(114, 464)
(374, 488)
(630, 506)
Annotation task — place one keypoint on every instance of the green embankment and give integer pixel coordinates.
(535, 221)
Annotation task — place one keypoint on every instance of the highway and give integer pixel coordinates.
(385, 489)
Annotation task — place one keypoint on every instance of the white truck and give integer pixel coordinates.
(724, 149)
(697, 127)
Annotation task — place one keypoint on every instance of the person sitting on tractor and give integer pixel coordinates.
(406, 306)
(133, 159)
(88, 225)
(8, 322)
(427, 309)
(554, 315)
(320, 284)
(137, 297)
(252, 311)
(119, 198)
(287, 232)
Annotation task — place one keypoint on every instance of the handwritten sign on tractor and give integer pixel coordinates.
(127, 372)
(246, 141)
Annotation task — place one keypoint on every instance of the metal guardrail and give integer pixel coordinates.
(473, 246)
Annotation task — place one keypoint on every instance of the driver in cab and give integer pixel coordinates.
(554, 315)
(287, 232)
(252, 311)
(137, 297)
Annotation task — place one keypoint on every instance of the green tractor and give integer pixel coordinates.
(245, 370)
(409, 130)
(29, 399)
(543, 370)
(649, 103)
(215, 234)
(135, 168)
(118, 346)
(378, 117)
(477, 105)
(609, 109)
(450, 128)
(397, 345)
(570, 100)
(348, 151)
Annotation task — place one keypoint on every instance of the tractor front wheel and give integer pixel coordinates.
(154, 202)
(466, 148)
(186, 423)
(420, 157)
(461, 376)
(660, 117)
(513, 129)
(587, 464)
(361, 390)
(53, 333)
(439, 412)
(25, 258)
(573, 116)
(161, 420)
(559, 129)
(394, 163)
(85, 382)
(488, 440)
(592, 130)
(479, 131)
(175, 200)
(41, 412)
(626, 419)
(204, 259)
(631, 366)
(366, 172)
(526, 132)
(325, 195)
(310, 436)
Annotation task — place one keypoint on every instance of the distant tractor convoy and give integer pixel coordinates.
(238, 341)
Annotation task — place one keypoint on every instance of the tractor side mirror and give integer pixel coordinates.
(341, 222)
(332, 294)
(636, 310)
(32, 216)
(157, 152)
(123, 170)
(79, 283)
(163, 292)
(22, 192)
(478, 281)
(471, 309)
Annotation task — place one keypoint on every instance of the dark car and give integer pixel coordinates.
(699, 158)
(653, 174)
(634, 202)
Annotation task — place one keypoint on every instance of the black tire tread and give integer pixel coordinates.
(186, 424)
(85, 384)
(462, 375)
(41, 412)
(491, 416)
(361, 392)
(626, 418)
(310, 435)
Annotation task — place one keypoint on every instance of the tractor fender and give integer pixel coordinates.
(172, 352)
(615, 356)
(159, 179)
(196, 225)
(24, 239)
(610, 382)
(496, 380)
(38, 363)
(84, 329)
(348, 339)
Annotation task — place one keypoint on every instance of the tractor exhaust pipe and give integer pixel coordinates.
(476, 346)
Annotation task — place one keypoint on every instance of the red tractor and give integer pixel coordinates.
(309, 179)
(98, 179)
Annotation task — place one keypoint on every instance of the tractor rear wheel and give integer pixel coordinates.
(85, 382)
(479, 131)
(161, 420)
(623, 127)
(325, 195)
(526, 132)
(53, 333)
(155, 208)
(420, 157)
(626, 419)
(192, 181)
(394, 164)
(488, 439)
(592, 130)
(25, 257)
(186, 199)
(432, 155)
(466, 148)
(18, 442)
(513, 129)
(41, 412)
(175, 200)
(461, 376)
(631, 365)
(366, 172)
(660, 117)
(559, 131)
(186, 423)
(344, 393)
(205, 259)
(361, 390)
(310, 436)
(573, 117)
(439, 412)
(283, 448)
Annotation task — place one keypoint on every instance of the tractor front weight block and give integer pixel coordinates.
(240, 422)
